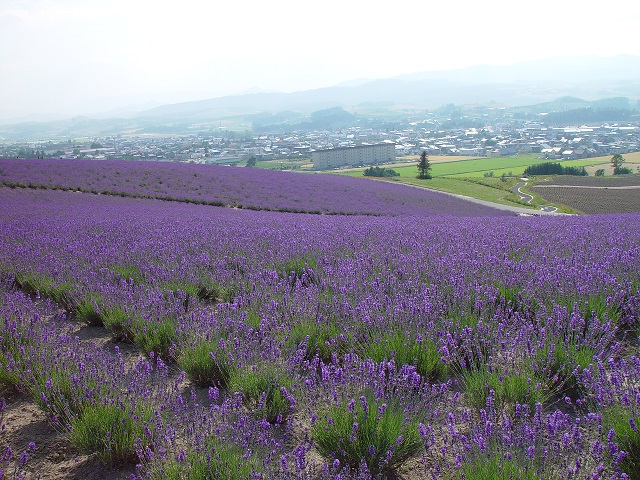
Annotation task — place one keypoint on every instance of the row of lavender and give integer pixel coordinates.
(331, 345)
(255, 189)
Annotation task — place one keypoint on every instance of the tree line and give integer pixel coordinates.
(552, 168)
(380, 172)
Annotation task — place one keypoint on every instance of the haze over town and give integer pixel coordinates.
(69, 57)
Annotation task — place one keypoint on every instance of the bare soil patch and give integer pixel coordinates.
(54, 458)
(612, 181)
(593, 195)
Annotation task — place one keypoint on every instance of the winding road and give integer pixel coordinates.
(525, 197)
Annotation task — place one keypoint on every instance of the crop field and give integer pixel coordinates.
(619, 194)
(155, 338)
(632, 161)
(467, 166)
(478, 167)
(481, 178)
(516, 165)
(244, 188)
(617, 181)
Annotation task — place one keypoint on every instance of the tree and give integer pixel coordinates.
(424, 166)
(251, 162)
(617, 160)
(600, 172)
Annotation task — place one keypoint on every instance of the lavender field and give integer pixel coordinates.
(248, 188)
(172, 340)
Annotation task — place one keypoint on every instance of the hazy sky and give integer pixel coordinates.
(84, 56)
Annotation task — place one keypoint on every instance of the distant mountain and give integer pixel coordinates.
(520, 84)
(546, 82)
(564, 104)
(73, 127)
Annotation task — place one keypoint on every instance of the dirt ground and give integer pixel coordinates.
(53, 458)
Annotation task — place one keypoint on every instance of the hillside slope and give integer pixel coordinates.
(238, 187)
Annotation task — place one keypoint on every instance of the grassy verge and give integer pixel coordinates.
(491, 190)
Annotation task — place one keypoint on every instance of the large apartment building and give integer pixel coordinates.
(353, 156)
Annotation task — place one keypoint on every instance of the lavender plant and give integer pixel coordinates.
(369, 430)
(405, 350)
(207, 362)
(499, 465)
(504, 388)
(621, 424)
(217, 460)
(325, 340)
(111, 431)
(15, 466)
(266, 391)
(613, 391)
(158, 336)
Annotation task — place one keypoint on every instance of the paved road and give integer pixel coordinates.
(525, 197)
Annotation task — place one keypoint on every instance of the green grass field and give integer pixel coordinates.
(478, 167)
(473, 167)
(469, 176)
(463, 176)
(491, 189)
(516, 165)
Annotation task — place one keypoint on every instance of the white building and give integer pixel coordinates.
(353, 156)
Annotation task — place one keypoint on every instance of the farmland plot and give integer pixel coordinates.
(592, 195)
(281, 345)
(603, 182)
